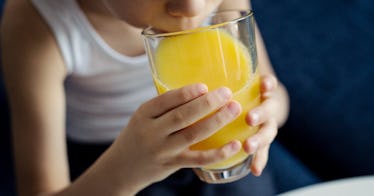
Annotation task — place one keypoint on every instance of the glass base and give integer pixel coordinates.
(219, 176)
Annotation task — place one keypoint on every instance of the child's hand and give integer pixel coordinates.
(156, 141)
(264, 116)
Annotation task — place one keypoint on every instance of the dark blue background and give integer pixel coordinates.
(323, 52)
(6, 168)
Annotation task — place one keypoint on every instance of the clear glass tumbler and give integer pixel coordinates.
(221, 52)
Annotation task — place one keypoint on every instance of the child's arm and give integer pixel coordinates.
(156, 141)
(34, 74)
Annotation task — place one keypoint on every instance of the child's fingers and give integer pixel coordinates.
(267, 133)
(204, 128)
(191, 158)
(172, 99)
(261, 113)
(193, 111)
(268, 84)
(259, 161)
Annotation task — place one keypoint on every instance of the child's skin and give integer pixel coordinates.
(34, 72)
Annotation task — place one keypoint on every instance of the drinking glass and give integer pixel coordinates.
(220, 52)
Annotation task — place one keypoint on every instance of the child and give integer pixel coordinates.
(77, 69)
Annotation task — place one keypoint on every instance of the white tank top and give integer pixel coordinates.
(103, 87)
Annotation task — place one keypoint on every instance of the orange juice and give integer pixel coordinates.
(217, 59)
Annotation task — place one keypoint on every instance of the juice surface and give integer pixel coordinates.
(217, 59)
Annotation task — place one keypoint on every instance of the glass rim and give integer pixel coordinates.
(246, 13)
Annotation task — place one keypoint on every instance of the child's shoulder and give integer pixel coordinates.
(25, 33)
(21, 17)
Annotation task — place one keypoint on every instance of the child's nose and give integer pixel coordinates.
(185, 8)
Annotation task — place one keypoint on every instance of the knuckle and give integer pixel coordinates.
(142, 108)
(269, 132)
(223, 154)
(201, 159)
(169, 164)
(185, 94)
(190, 136)
(275, 128)
(209, 101)
(223, 116)
(178, 117)
(220, 119)
(272, 125)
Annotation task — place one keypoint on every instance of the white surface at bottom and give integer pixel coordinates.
(362, 186)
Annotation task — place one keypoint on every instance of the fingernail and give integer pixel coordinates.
(268, 84)
(253, 144)
(201, 88)
(234, 146)
(225, 93)
(234, 108)
(255, 117)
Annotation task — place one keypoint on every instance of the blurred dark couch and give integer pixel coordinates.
(6, 169)
(7, 187)
(323, 52)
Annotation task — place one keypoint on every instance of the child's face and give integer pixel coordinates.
(165, 15)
